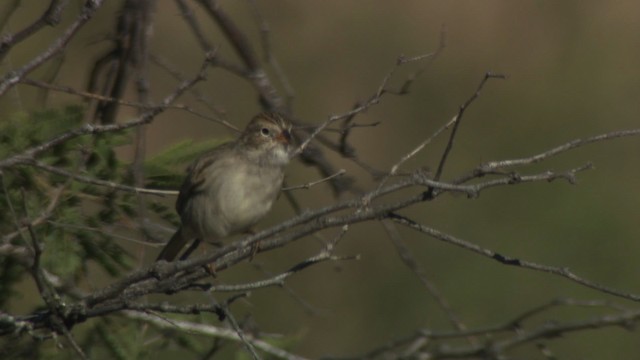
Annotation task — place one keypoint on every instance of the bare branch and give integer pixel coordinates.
(240, 43)
(15, 76)
(457, 119)
(513, 334)
(493, 165)
(50, 17)
(269, 56)
(192, 21)
(313, 183)
(209, 330)
(415, 267)
(89, 180)
(506, 260)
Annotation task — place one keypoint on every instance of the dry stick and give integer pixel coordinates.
(101, 230)
(493, 166)
(382, 89)
(515, 323)
(313, 183)
(455, 121)
(461, 112)
(94, 181)
(209, 330)
(51, 17)
(5, 14)
(506, 260)
(544, 331)
(458, 119)
(518, 320)
(243, 49)
(417, 149)
(309, 308)
(123, 58)
(205, 45)
(415, 267)
(554, 329)
(333, 118)
(164, 307)
(392, 231)
(325, 254)
(15, 76)
(348, 152)
(508, 326)
(270, 58)
(192, 21)
(295, 205)
(199, 96)
(227, 315)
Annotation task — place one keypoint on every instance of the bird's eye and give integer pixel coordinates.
(265, 131)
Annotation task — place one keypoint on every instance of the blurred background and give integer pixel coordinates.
(573, 73)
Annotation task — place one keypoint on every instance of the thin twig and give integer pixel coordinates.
(269, 56)
(244, 339)
(313, 183)
(456, 124)
(243, 49)
(209, 330)
(506, 260)
(415, 267)
(192, 21)
(94, 181)
(200, 97)
(15, 76)
(50, 17)
(494, 167)
(278, 280)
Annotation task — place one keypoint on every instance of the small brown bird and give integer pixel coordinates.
(232, 187)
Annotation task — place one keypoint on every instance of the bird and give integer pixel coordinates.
(229, 189)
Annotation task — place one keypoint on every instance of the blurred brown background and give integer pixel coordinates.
(573, 72)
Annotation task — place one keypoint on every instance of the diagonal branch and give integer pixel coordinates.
(13, 77)
(50, 17)
(507, 260)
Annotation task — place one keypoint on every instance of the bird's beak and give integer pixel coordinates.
(284, 137)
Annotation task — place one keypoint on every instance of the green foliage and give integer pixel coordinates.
(69, 217)
(162, 170)
(117, 339)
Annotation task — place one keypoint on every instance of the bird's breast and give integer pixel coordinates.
(245, 194)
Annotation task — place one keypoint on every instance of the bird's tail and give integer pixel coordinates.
(173, 247)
